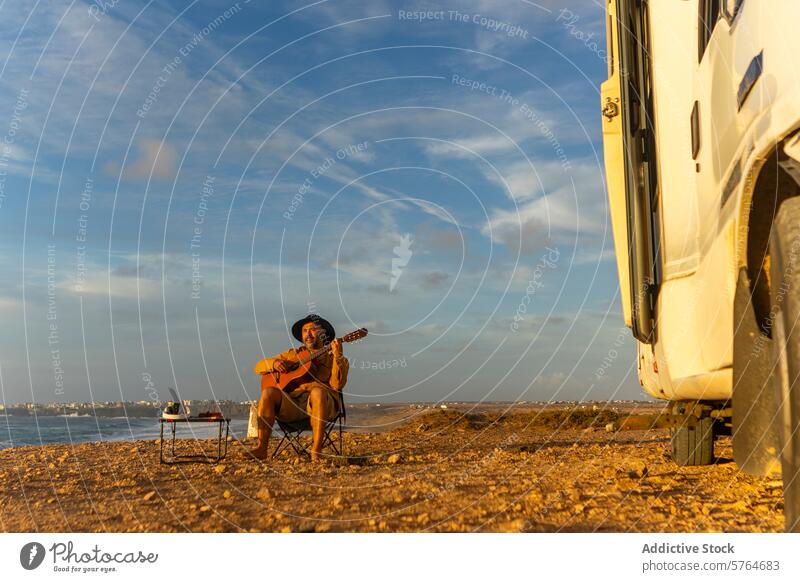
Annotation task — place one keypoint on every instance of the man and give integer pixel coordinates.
(318, 399)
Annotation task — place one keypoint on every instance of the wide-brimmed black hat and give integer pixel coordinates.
(297, 328)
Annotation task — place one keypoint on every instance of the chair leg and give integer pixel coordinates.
(282, 444)
(298, 447)
(294, 439)
(341, 441)
(329, 439)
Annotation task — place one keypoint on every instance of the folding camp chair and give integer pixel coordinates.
(293, 434)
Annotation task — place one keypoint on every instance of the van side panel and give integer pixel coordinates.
(674, 104)
(614, 160)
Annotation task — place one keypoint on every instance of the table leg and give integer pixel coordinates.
(219, 443)
(161, 452)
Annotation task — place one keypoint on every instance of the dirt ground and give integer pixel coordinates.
(526, 470)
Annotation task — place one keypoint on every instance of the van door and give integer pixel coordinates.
(641, 180)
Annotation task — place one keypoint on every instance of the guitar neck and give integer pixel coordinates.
(313, 355)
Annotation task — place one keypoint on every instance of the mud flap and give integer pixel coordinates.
(755, 429)
(693, 443)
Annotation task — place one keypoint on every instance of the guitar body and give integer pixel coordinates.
(287, 381)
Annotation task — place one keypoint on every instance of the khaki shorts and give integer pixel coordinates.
(295, 406)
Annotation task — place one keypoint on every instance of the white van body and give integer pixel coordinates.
(701, 131)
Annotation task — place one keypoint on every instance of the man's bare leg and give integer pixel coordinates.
(316, 400)
(268, 407)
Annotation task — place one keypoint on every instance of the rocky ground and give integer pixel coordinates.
(441, 470)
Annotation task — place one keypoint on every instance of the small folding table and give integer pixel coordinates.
(222, 440)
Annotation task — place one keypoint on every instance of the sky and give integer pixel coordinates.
(181, 181)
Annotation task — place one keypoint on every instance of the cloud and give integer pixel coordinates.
(431, 238)
(156, 159)
(128, 271)
(15, 159)
(434, 279)
(528, 237)
(574, 204)
(522, 180)
(479, 144)
(115, 287)
(9, 304)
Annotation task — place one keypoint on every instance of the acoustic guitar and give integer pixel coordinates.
(300, 369)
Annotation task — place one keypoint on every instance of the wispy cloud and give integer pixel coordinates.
(156, 160)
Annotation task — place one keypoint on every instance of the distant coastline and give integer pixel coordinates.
(241, 410)
(140, 409)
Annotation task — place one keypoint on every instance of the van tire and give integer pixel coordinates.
(785, 329)
(693, 444)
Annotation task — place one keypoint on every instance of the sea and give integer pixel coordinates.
(19, 431)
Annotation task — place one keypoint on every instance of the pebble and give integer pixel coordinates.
(638, 470)
(149, 496)
(263, 494)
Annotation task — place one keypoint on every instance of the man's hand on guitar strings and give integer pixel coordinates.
(336, 348)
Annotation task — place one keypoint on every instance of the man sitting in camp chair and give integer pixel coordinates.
(318, 399)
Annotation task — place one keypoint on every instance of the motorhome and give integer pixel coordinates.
(700, 114)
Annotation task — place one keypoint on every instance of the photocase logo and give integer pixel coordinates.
(402, 254)
(31, 555)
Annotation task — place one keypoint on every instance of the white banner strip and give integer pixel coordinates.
(356, 557)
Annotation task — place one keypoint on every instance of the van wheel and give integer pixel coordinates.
(693, 444)
(784, 319)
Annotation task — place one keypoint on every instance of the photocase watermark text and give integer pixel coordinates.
(197, 234)
(53, 341)
(528, 112)
(169, 69)
(8, 140)
(491, 24)
(84, 204)
(321, 169)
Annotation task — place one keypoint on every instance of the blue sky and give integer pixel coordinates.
(183, 180)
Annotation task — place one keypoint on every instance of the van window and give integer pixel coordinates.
(709, 12)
